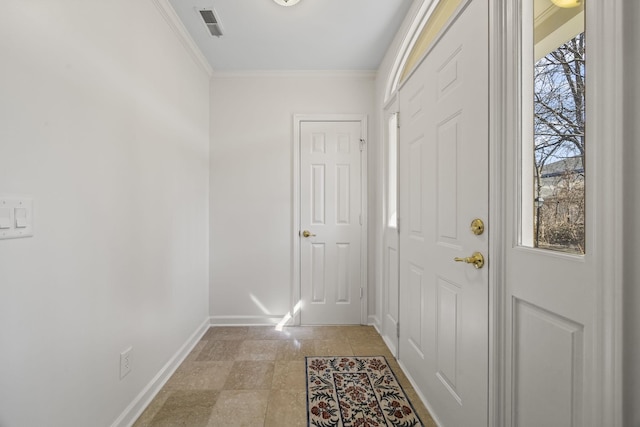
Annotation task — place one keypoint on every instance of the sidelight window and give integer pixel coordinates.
(554, 128)
(392, 170)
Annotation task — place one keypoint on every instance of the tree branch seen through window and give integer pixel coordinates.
(559, 138)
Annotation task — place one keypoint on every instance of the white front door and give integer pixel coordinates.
(443, 188)
(331, 220)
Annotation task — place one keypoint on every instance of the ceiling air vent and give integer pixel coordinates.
(211, 22)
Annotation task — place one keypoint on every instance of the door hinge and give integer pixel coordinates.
(398, 329)
(361, 293)
(363, 143)
(398, 120)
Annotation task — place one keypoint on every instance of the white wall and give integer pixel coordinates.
(251, 181)
(104, 121)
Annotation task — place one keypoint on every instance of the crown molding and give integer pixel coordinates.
(359, 74)
(178, 28)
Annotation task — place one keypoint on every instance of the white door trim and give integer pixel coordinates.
(604, 21)
(295, 215)
(498, 116)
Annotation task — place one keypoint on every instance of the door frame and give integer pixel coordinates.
(605, 40)
(298, 119)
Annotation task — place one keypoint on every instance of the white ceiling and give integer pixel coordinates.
(312, 35)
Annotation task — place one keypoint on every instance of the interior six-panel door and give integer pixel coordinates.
(443, 188)
(330, 222)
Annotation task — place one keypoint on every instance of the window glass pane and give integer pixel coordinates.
(392, 171)
(559, 126)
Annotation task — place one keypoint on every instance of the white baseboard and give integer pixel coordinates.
(142, 400)
(246, 320)
(392, 348)
(374, 321)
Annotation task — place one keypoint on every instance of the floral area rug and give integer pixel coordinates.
(356, 391)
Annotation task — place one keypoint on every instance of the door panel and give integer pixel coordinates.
(318, 294)
(415, 189)
(415, 310)
(447, 335)
(392, 285)
(330, 209)
(343, 189)
(317, 194)
(443, 187)
(447, 181)
(548, 370)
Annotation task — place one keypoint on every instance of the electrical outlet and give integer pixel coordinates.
(125, 362)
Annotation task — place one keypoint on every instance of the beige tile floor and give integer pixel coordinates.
(255, 376)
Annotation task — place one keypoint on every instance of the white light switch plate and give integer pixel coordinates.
(16, 226)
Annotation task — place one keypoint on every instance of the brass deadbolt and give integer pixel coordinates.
(477, 226)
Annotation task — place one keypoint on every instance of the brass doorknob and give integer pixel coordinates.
(307, 233)
(476, 259)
